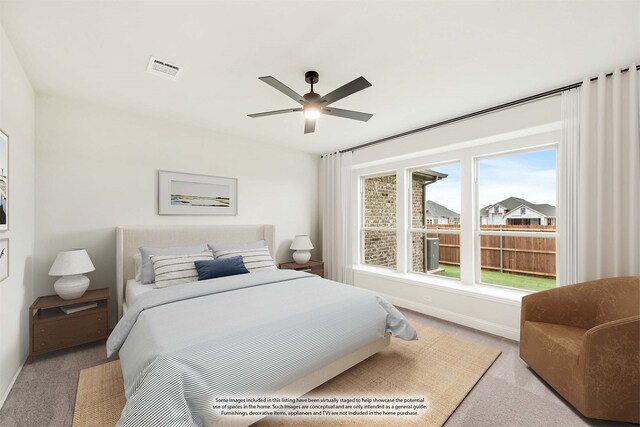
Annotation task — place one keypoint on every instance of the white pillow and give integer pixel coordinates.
(236, 246)
(254, 259)
(137, 262)
(175, 269)
(146, 272)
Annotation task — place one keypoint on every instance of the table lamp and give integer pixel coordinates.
(71, 265)
(301, 245)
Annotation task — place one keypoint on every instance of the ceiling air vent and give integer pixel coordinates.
(164, 69)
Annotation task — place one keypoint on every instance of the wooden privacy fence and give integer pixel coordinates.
(534, 256)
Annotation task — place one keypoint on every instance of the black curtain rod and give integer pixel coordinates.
(477, 113)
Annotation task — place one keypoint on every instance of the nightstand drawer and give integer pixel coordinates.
(70, 331)
(51, 329)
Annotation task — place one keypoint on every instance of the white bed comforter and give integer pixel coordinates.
(246, 335)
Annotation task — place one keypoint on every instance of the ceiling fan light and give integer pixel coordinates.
(313, 104)
(311, 112)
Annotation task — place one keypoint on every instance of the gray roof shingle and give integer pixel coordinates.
(435, 210)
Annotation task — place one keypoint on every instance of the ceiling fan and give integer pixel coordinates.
(313, 104)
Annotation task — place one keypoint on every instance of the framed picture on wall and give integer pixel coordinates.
(4, 259)
(4, 181)
(192, 194)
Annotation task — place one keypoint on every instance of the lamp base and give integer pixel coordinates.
(301, 257)
(71, 287)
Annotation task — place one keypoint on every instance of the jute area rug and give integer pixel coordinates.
(440, 367)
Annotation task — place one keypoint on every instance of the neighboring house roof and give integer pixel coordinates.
(435, 210)
(545, 209)
(512, 203)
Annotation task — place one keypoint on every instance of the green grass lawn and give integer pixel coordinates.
(504, 279)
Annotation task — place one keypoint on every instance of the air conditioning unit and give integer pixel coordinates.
(432, 253)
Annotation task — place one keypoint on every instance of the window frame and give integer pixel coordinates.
(410, 230)
(467, 154)
(478, 232)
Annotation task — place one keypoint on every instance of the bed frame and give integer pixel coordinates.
(129, 239)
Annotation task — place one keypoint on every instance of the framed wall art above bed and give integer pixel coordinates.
(192, 194)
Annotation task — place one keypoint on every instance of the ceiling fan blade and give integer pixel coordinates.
(278, 85)
(347, 114)
(309, 125)
(271, 113)
(346, 90)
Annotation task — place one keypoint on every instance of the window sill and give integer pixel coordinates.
(488, 292)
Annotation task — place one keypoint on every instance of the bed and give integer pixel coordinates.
(273, 333)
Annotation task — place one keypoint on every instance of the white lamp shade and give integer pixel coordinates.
(68, 263)
(301, 243)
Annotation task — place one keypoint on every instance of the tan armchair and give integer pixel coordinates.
(584, 341)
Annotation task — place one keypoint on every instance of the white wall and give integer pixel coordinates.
(489, 309)
(503, 124)
(16, 292)
(487, 313)
(97, 168)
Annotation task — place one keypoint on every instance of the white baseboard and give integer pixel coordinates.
(459, 318)
(10, 386)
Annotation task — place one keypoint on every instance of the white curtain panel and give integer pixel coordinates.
(568, 163)
(335, 200)
(609, 177)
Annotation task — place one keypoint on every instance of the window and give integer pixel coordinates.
(518, 252)
(480, 214)
(435, 220)
(379, 220)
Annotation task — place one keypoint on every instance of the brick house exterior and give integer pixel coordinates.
(380, 211)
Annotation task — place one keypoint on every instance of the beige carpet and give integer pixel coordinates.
(439, 366)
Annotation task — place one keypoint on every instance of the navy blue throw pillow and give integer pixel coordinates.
(213, 268)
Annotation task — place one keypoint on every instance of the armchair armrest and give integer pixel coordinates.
(567, 305)
(610, 362)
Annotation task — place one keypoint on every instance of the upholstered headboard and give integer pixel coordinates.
(129, 239)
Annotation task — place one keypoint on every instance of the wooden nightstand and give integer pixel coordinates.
(51, 329)
(313, 267)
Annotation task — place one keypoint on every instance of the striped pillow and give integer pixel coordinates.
(254, 259)
(175, 269)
